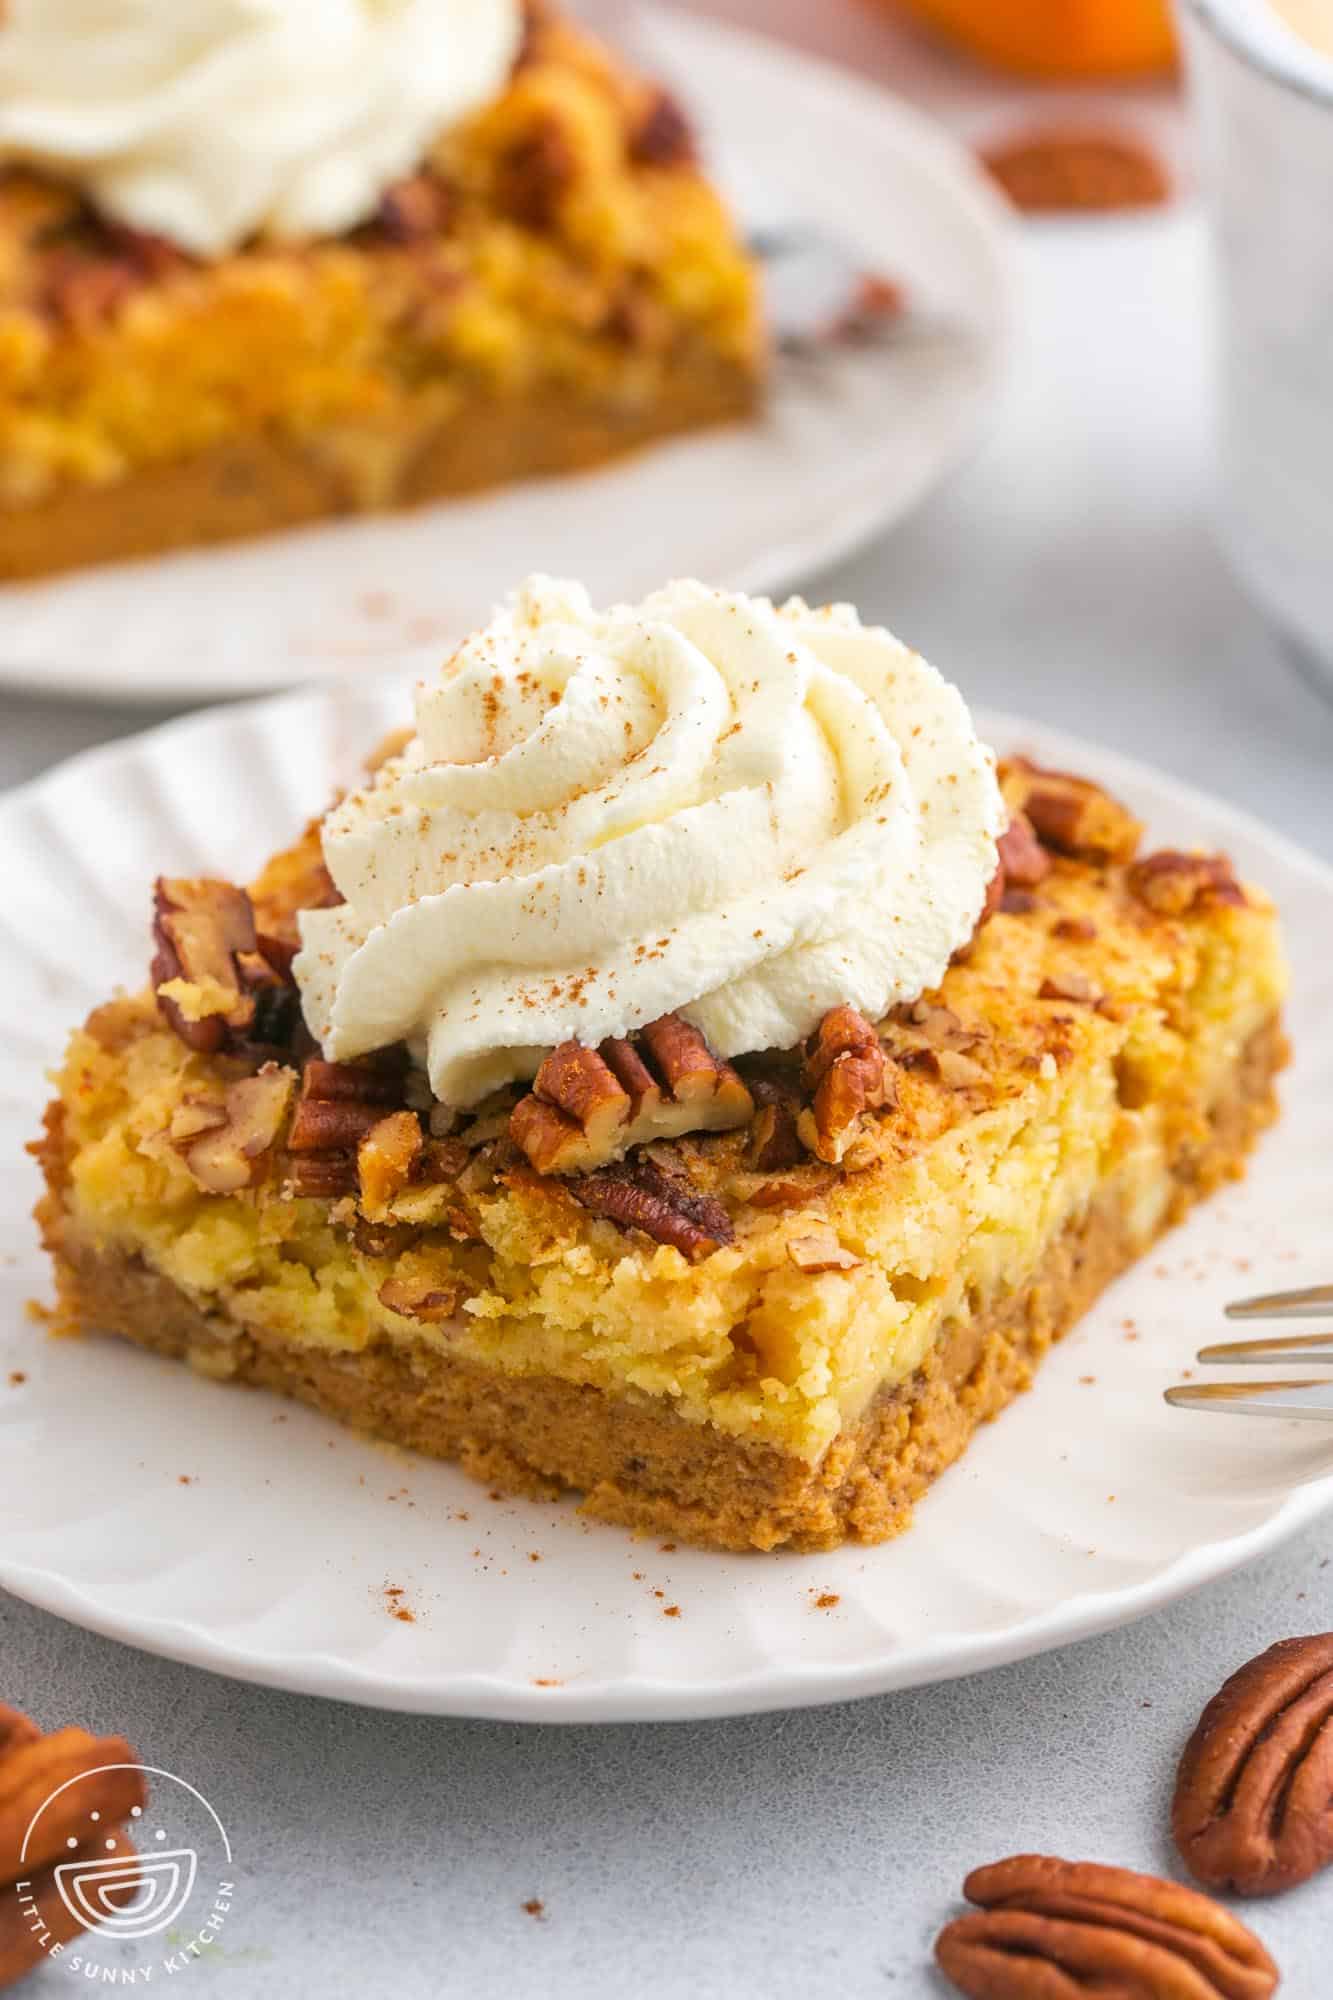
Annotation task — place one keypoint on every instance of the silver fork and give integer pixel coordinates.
(1311, 1398)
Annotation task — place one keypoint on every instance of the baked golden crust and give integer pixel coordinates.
(784, 1296)
(558, 284)
(635, 1460)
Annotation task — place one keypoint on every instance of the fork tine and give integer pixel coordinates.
(1312, 1303)
(1255, 1399)
(1314, 1347)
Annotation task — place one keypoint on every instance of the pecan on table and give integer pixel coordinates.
(587, 1106)
(1071, 815)
(1178, 885)
(43, 1825)
(846, 1070)
(639, 1195)
(1053, 1930)
(1253, 1805)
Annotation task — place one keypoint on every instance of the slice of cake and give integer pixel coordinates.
(686, 1071)
(296, 261)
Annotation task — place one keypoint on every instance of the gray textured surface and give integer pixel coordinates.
(1067, 573)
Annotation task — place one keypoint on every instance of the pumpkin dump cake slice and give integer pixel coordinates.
(686, 1071)
(317, 257)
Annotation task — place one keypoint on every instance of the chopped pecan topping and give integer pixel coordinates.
(535, 174)
(417, 1290)
(959, 1071)
(339, 1104)
(1253, 1806)
(1024, 860)
(820, 1250)
(927, 1036)
(385, 1161)
(1072, 815)
(792, 1194)
(775, 1141)
(1078, 930)
(664, 136)
(413, 209)
(1070, 985)
(1046, 1927)
(587, 1107)
(207, 961)
(321, 1176)
(227, 1145)
(847, 1071)
(1064, 170)
(1178, 885)
(638, 1195)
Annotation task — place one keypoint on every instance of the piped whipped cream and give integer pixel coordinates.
(701, 803)
(210, 120)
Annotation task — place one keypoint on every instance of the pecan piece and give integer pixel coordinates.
(535, 174)
(386, 1159)
(774, 1140)
(414, 208)
(1047, 1927)
(638, 1195)
(1253, 1805)
(663, 136)
(846, 1068)
(339, 1104)
(417, 1290)
(1024, 860)
(1178, 885)
(1070, 814)
(587, 1107)
(207, 952)
(1070, 985)
(227, 1145)
(820, 1250)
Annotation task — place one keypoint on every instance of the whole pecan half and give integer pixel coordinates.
(1253, 1805)
(51, 1788)
(638, 1195)
(1053, 1930)
(846, 1070)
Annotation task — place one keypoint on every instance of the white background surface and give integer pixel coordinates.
(1068, 573)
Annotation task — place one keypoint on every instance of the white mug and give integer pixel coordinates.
(1265, 99)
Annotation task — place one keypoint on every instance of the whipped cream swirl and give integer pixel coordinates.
(209, 120)
(703, 803)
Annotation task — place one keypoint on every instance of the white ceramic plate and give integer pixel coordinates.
(1089, 1502)
(847, 445)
